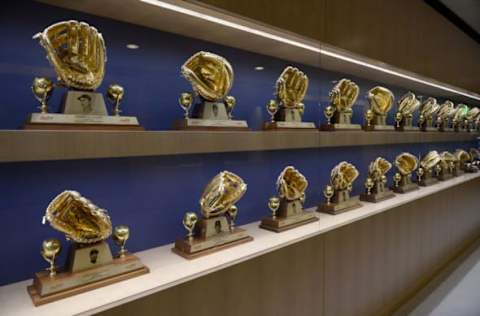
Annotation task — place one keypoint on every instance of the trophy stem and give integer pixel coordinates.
(44, 106)
(122, 252)
(53, 271)
(116, 108)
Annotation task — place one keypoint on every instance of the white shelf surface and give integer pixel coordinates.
(168, 269)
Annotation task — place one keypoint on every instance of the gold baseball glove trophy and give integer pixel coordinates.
(216, 230)
(445, 112)
(342, 98)
(376, 189)
(407, 105)
(429, 108)
(211, 77)
(406, 164)
(470, 118)
(77, 53)
(287, 110)
(90, 262)
(337, 193)
(381, 101)
(465, 161)
(458, 118)
(287, 208)
(430, 169)
(448, 165)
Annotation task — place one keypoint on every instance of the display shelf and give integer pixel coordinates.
(209, 24)
(21, 145)
(168, 269)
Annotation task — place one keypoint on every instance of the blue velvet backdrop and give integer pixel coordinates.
(151, 194)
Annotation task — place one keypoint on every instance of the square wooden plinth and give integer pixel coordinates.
(377, 197)
(281, 224)
(337, 208)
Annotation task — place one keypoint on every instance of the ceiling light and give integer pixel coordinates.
(133, 46)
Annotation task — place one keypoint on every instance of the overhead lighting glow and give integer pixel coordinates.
(132, 46)
(259, 68)
(305, 46)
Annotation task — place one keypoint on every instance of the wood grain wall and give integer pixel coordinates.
(366, 268)
(405, 33)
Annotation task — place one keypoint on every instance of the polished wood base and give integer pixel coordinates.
(405, 188)
(42, 279)
(337, 208)
(377, 197)
(426, 181)
(281, 224)
(88, 127)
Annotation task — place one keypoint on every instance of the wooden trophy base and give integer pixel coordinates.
(428, 129)
(82, 127)
(407, 128)
(340, 207)
(195, 124)
(377, 197)
(340, 127)
(291, 126)
(46, 289)
(405, 188)
(280, 224)
(198, 247)
(445, 176)
(427, 181)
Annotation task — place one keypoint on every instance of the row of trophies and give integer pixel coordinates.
(90, 263)
(78, 54)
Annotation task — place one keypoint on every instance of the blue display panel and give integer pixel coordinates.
(152, 194)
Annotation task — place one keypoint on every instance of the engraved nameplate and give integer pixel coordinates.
(55, 118)
(215, 123)
(383, 127)
(340, 126)
(291, 124)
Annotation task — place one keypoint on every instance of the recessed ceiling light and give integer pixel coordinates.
(133, 46)
(259, 68)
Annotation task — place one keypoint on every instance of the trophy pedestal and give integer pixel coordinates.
(445, 176)
(379, 128)
(407, 128)
(280, 224)
(197, 247)
(379, 193)
(405, 188)
(46, 289)
(427, 180)
(209, 125)
(341, 202)
(428, 129)
(280, 125)
(340, 127)
(55, 121)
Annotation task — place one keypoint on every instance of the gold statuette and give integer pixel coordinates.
(470, 118)
(406, 164)
(445, 112)
(459, 115)
(407, 105)
(465, 162)
(376, 183)
(288, 212)
(342, 98)
(381, 101)
(291, 88)
(77, 53)
(211, 77)
(216, 229)
(448, 164)
(428, 109)
(90, 262)
(428, 165)
(341, 183)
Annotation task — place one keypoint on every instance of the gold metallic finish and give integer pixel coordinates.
(77, 217)
(429, 107)
(189, 221)
(328, 192)
(210, 75)
(77, 52)
(230, 103)
(115, 95)
(446, 110)
(408, 104)
(430, 160)
(369, 115)
(462, 156)
(378, 168)
(343, 175)
(42, 89)
(474, 154)
(273, 205)
(291, 87)
(329, 112)
(460, 112)
(396, 179)
(232, 214)
(185, 100)
(406, 163)
(120, 235)
(369, 184)
(344, 95)
(380, 99)
(447, 159)
(420, 173)
(472, 114)
(223, 191)
(291, 184)
(50, 249)
(272, 109)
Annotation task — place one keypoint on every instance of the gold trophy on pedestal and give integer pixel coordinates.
(216, 230)
(470, 119)
(459, 115)
(211, 77)
(465, 162)
(376, 189)
(287, 209)
(342, 98)
(428, 109)
(407, 105)
(448, 165)
(77, 52)
(475, 156)
(406, 164)
(287, 110)
(444, 114)
(337, 193)
(381, 101)
(430, 169)
(90, 262)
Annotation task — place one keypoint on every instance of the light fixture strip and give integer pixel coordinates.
(318, 50)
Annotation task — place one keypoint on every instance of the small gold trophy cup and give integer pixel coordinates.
(407, 106)
(291, 88)
(381, 101)
(445, 112)
(337, 193)
(90, 263)
(428, 109)
(287, 209)
(406, 164)
(428, 164)
(458, 119)
(77, 53)
(342, 98)
(211, 77)
(376, 183)
(216, 229)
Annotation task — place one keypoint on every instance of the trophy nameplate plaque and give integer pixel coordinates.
(90, 263)
(288, 125)
(376, 189)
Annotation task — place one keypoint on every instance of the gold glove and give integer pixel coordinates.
(291, 184)
(446, 110)
(378, 168)
(380, 99)
(344, 95)
(408, 104)
(460, 112)
(462, 156)
(343, 175)
(430, 160)
(406, 163)
(429, 107)
(472, 114)
(291, 87)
